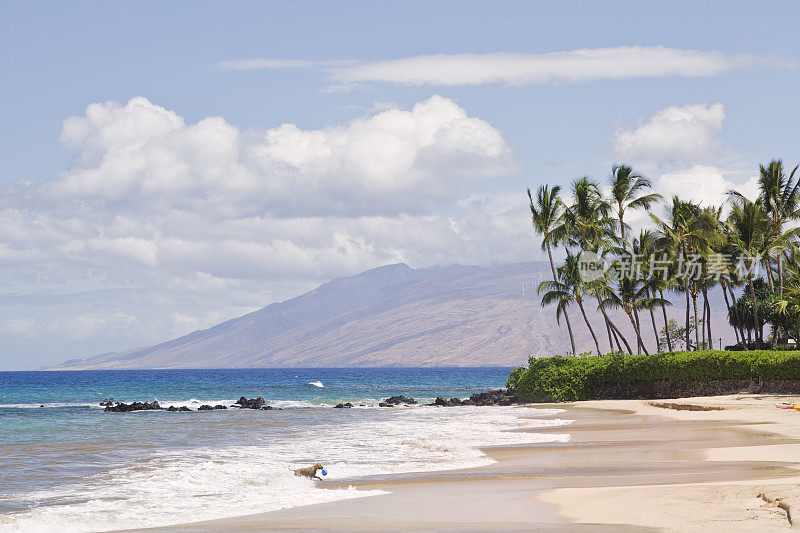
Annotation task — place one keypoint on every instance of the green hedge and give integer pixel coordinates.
(558, 379)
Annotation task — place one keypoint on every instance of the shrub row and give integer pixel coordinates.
(559, 379)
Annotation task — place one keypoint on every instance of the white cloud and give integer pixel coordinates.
(705, 184)
(522, 69)
(677, 133)
(144, 156)
(162, 226)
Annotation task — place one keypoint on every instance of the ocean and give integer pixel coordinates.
(67, 465)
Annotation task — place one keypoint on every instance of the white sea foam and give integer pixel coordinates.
(316, 384)
(208, 483)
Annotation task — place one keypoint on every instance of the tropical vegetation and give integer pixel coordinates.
(747, 249)
(559, 379)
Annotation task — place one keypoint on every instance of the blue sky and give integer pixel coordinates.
(411, 131)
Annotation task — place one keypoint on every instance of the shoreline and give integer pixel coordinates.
(629, 466)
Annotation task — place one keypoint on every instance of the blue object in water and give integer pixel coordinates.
(324, 472)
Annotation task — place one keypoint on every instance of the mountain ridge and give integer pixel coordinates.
(391, 315)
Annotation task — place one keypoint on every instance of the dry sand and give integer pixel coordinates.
(630, 466)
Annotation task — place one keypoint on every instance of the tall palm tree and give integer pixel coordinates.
(567, 289)
(626, 186)
(587, 222)
(779, 198)
(685, 232)
(643, 247)
(546, 213)
(749, 236)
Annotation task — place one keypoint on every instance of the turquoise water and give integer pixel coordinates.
(70, 465)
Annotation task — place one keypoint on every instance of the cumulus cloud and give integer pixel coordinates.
(677, 133)
(521, 69)
(161, 226)
(142, 155)
(705, 184)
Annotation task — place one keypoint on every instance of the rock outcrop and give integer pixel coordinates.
(255, 403)
(493, 397)
(135, 406)
(397, 400)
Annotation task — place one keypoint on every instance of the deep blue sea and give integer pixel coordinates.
(69, 465)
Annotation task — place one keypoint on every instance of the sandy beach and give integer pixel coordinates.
(711, 464)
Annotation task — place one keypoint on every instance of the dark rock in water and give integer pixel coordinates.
(107, 402)
(495, 397)
(397, 400)
(220, 407)
(135, 406)
(384, 404)
(173, 409)
(346, 405)
(255, 403)
(41, 405)
(267, 408)
(205, 408)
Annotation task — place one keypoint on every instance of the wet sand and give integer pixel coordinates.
(629, 466)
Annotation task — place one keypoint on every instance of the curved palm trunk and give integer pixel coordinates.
(666, 322)
(728, 305)
(617, 331)
(638, 334)
(591, 330)
(566, 316)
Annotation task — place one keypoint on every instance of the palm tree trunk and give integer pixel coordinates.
(688, 311)
(708, 317)
(638, 327)
(728, 305)
(705, 308)
(759, 340)
(738, 318)
(566, 316)
(655, 330)
(696, 324)
(618, 332)
(639, 341)
(591, 330)
(666, 322)
(769, 275)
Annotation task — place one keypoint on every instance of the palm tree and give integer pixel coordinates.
(545, 214)
(643, 247)
(588, 223)
(779, 198)
(625, 188)
(568, 288)
(686, 232)
(631, 296)
(749, 235)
